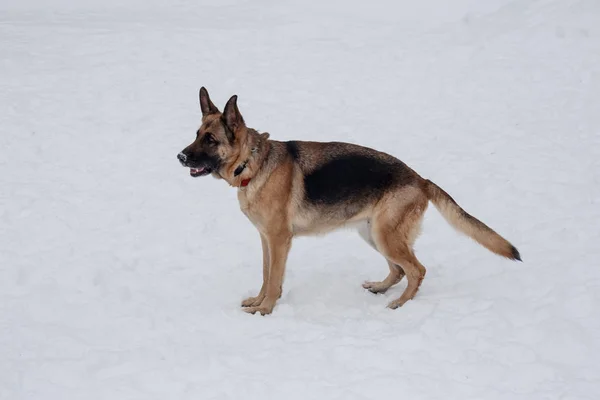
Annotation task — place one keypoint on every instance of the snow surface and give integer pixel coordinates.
(121, 276)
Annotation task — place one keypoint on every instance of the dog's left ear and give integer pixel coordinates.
(231, 117)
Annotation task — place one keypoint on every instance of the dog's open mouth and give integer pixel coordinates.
(196, 172)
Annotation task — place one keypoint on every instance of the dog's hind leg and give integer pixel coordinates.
(395, 228)
(396, 274)
(415, 272)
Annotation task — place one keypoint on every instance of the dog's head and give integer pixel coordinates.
(218, 140)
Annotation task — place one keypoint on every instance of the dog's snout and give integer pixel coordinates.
(182, 157)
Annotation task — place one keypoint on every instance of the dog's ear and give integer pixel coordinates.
(231, 117)
(206, 105)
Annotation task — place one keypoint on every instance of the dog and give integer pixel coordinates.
(288, 189)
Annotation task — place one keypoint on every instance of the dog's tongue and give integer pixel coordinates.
(196, 171)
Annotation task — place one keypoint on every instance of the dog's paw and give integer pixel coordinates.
(262, 309)
(375, 287)
(396, 304)
(253, 301)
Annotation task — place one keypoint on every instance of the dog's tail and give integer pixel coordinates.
(469, 225)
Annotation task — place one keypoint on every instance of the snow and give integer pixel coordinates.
(121, 276)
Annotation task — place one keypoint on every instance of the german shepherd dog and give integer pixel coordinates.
(287, 189)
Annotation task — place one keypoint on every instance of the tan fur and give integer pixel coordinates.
(275, 201)
(466, 223)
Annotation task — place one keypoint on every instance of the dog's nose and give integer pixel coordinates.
(182, 157)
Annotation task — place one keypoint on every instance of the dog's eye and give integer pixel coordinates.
(210, 139)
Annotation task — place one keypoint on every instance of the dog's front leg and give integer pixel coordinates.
(255, 301)
(279, 244)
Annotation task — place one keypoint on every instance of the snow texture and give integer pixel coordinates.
(121, 276)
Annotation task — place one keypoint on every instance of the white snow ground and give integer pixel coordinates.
(121, 276)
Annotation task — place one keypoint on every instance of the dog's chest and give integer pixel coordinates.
(247, 199)
(244, 200)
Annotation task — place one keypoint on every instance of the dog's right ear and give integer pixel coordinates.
(206, 105)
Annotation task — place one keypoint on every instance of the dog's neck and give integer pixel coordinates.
(242, 167)
(250, 159)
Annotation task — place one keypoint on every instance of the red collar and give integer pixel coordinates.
(245, 182)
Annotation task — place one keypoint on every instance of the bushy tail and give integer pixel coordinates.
(469, 225)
